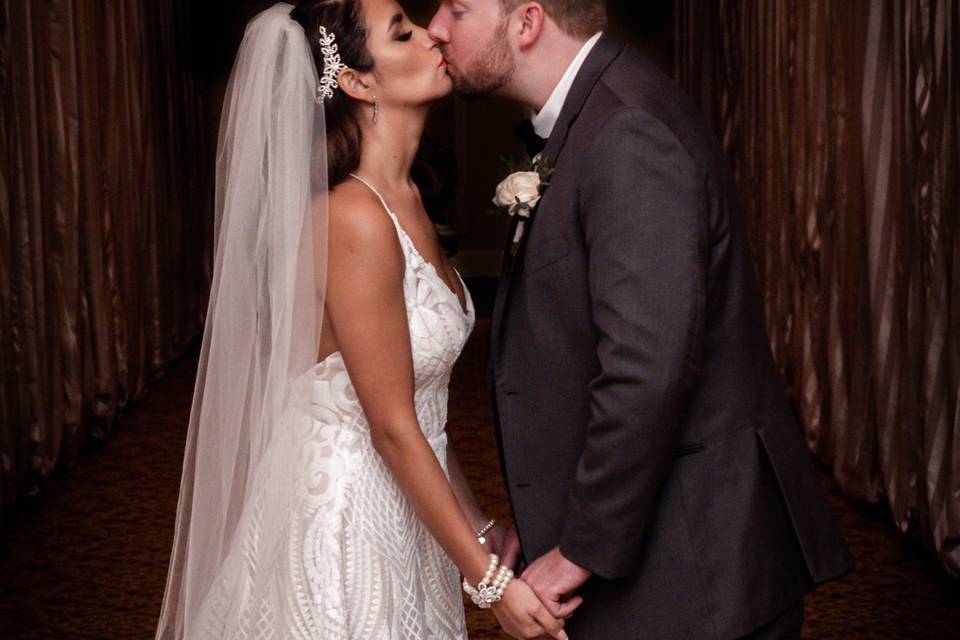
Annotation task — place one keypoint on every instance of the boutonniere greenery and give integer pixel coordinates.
(520, 192)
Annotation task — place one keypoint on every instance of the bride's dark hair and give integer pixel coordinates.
(344, 19)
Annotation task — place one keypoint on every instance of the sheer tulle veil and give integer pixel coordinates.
(262, 328)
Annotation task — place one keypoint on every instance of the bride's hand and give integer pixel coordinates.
(505, 543)
(522, 615)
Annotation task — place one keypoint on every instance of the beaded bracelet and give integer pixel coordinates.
(481, 535)
(486, 592)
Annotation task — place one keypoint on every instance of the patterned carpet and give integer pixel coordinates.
(88, 558)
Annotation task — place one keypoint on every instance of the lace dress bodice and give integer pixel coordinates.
(354, 562)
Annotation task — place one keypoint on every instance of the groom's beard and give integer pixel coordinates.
(488, 73)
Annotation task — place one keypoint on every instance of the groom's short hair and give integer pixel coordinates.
(579, 18)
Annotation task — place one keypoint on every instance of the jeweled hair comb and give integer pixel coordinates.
(331, 65)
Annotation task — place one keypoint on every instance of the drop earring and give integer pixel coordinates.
(376, 109)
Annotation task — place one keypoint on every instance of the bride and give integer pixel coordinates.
(319, 497)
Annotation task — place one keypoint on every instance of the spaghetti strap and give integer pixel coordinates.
(393, 217)
(375, 192)
(410, 250)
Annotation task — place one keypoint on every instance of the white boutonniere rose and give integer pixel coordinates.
(519, 194)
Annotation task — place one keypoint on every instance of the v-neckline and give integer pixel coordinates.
(464, 306)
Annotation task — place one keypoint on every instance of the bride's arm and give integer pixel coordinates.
(367, 313)
(499, 539)
(462, 490)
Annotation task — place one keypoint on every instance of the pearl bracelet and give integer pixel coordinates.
(487, 593)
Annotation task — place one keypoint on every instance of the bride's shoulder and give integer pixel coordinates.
(358, 220)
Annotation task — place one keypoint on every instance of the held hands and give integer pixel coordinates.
(555, 579)
(537, 606)
(518, 609)
(522, 615)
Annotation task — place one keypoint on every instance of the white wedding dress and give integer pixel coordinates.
(354, 561)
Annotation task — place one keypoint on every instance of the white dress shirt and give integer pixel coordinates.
(544, 121)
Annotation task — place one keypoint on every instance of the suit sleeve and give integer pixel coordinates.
(643, 207)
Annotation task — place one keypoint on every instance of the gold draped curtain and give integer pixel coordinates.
(105, 229)
(841, 121)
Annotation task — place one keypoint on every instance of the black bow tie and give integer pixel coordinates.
(528, 136)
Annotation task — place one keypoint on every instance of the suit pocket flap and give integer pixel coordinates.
(689, 450)
(544, 252)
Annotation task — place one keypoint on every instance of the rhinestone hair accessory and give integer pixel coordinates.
(331, 65)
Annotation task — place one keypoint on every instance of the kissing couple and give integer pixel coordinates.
(659, 481)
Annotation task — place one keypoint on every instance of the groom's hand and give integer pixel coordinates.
(554, 579)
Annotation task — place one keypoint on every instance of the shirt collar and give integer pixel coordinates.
(546, 118)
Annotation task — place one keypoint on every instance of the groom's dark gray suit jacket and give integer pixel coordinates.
(642, 422)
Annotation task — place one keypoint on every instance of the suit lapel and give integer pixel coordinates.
(603, 54)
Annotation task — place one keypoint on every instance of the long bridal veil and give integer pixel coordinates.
(262, 327)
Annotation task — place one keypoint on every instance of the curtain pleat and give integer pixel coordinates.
(841, 121)
(105, 227)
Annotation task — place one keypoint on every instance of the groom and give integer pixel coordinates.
(653, 462)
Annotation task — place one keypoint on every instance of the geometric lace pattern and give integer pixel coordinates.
(352, 561)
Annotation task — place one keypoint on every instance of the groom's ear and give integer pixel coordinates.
(531, 17)
(352, 84)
